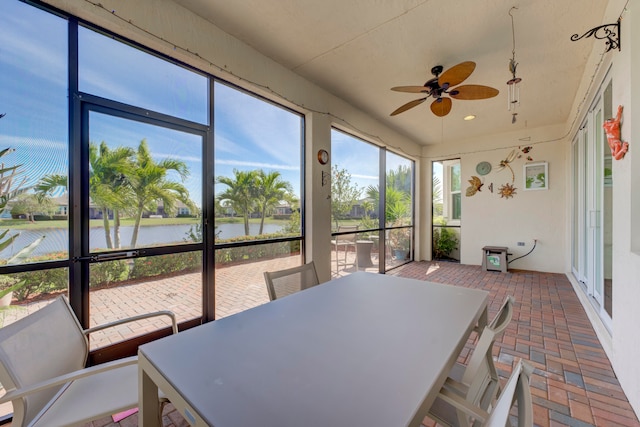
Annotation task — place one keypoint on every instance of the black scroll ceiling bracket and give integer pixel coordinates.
(610, 32)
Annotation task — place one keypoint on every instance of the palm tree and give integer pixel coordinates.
(271, 189)
(436, 196)
(240, 193)
(9, 190)
(397, 203)
(149, 184)
(400, 178)
(48, 184)
(107, 184)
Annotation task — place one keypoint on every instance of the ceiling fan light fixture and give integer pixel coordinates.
(446, 84)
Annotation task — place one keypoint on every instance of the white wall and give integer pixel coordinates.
(491, 220)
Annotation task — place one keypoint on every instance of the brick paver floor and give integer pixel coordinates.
(573, 383)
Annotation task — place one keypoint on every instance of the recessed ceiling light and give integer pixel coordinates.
(470, 117)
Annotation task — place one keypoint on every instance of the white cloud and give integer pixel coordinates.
(271, 131)
(257, 165)
(371, 177)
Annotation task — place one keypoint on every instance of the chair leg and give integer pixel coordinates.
(337, 252)
(162, 403)
(355, 250)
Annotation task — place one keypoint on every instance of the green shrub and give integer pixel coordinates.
(37, 282)
(247, 253)
(113, 272)
(444, 242)
(105, 273)
(166, 264)
(41, 281)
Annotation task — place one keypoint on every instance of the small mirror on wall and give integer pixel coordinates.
(536, 176)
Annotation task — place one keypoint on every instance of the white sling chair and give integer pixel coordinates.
(478, 381)
(285, 282)
(517, 390)
(42, 368)
(502, 318)
(344, 241)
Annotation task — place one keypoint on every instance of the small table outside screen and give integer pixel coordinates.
(362, 350)
(363, 253)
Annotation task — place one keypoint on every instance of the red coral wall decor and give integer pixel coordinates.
(612, 129)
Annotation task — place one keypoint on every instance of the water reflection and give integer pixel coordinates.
(56, 239)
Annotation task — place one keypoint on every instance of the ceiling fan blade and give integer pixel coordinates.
(411, 89)
(456, 74)
(441, 107)
(473, 92)
(408, 105)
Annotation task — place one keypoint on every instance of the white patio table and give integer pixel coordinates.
(361, 350)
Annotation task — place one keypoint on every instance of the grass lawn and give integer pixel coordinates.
(21, 224)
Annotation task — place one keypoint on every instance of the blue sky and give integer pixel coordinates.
(33, 93)
(361, 159)
(253, 134)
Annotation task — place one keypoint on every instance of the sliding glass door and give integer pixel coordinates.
(143, 207)
(592, 186)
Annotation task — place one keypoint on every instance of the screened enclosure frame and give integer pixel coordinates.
(80, 257)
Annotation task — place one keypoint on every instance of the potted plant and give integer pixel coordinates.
(400, 241)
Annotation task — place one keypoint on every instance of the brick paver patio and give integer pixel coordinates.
(573, 384)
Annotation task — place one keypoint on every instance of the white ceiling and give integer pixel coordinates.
(359, 49)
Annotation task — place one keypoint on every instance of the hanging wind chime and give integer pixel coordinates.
(513, 88)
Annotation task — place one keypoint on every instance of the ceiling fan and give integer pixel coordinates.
(443, 84)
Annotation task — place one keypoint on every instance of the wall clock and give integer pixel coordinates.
(323, 157)
(483, 168)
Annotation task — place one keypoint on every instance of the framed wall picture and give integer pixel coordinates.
(536, 176)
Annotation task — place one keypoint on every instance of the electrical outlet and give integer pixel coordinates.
(520, 243)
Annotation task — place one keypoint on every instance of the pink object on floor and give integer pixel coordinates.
(123, 415)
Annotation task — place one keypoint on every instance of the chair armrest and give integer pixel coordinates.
(463, 405)
(63, 379)
(174, 325)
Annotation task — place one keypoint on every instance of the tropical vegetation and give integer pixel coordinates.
(253, 191)
(398, 206)
(148, 184)
(344, 194)
(444, 241)
(108, 171)
(8, 191)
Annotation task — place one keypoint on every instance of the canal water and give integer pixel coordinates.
(56, 240)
